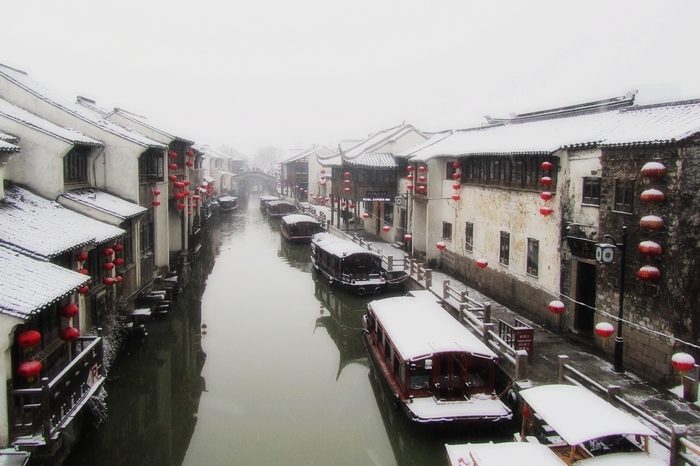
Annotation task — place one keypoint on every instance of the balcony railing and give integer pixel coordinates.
(37, 415)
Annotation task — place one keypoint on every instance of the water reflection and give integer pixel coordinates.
(296, 254)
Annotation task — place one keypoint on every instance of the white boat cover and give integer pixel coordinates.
(499, 454)
(420, 328)
(578, 415)
(622, 459)
(298, 218)
(339, 247)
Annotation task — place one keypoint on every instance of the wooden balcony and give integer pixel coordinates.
(37, 415)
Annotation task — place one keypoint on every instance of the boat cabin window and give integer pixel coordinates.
(420, 376)
(361, 264)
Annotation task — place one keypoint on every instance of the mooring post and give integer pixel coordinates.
(563, 360)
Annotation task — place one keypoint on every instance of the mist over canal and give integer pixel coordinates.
(285, 377)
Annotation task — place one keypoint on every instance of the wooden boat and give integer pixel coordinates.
(228, 204)
(299, 227)
(347, 264)
(582, 428)
(265, 199)
(438, 371)
(280, 208)
(499, 454)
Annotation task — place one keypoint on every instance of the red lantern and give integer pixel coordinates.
(386, 228)
(156, 192)
(482, 263)
(83, 271)
(204, 184)
(421, 189)
(440, 245)
(546, 165)
(108, 266)
(546, 211)
(547, 181)
(409, 187)
(172, 177)
(653, 196)
(118, 261)
(456, 186)
(455, 165)
(649, 249)
(651, 222)
(648, 274)
(556, 307)
(190, 153)
(407, 237)
(409, 168)
(604, 329)
(156, 203)
(81, 257)
(109, 281)
(69, 310)
(654, 170)
(173, 166)
(179, 196)
(181, 206)
(410, 177)
(683, 362)
(179, 184)
(119, 279)
(172, 154)
(546, 195)
(346, 189)
(346, 174)
(347, 182)
(83, 289)
(342, 204)
(29, 339)
(456, 176)
(421, 179)
(69, 334)
(455, 197)
(189, 163)
(365, 215)
(29, 369)
(108, 252)
(527, 414)
(323, 171)
(421, 168)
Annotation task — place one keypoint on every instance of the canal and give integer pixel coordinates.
(258, 362)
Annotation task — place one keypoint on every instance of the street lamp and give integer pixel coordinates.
(605, 254)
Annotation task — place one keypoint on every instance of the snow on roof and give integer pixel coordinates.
(299, 218)
(29, 119)
(7, 147)
(622, 459)
(578, 415)
(105, 202)
(91, 105)
(378, 140)
(636, 125)
(28, 285)
(8, 138)
(339, 247)
(22, 79)
(499, 454)
(370, 159)
(232, 153)
(333, 161)
(44, 229)
(420, 328)
(143, 121)
(278, 201)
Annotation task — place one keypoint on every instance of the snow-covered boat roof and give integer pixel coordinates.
(105, 202)
(8, 147)
(22, 79)
(420, 328)
(44, 229)
(299, 218)
(22, 116)
(28, 285)
(339, 247)
(629, 126)
(499, 454)
(578, 415)
(277, 201)
(622, 459)
(227, 199)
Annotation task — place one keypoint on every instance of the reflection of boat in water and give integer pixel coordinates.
(280, 208)
(299, 227)
(297, 255)
(438, 370)
(227, 204)
(582, 428)
(349, 265)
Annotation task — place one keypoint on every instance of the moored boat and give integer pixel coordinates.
(299, 227)
(227, 203)
(264, 201)
(438, 371)
(280, 208)
(499, 454)
(347, 264)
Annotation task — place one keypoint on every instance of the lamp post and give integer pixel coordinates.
(605, 254)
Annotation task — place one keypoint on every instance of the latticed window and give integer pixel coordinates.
(533, 256)
(624, 195)
(504, 255)
(151, 166)
(146, 230)
(591, 191)
(469, 237)
(75, 166)
(446, 230)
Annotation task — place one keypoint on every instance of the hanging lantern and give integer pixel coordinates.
(527, 414)
(351, 205)
(346, 174)
(455, 197)
(118, 261)
(29, 369)
(323, 183)
(69, 334)
(409, 177)
(29, 339)
(179, 184)
(189, 163)
(440, 245)
(204, 184)
(107, 252)
(683, 362)
(83, 271)
(83, 289)
(648, 274)
(346, 182)
(69, 310)
(546, 180)
(482, 263)
(119, 279)
(654, 170)
(109, 281)
(179, 196)
(328, 199)
(108, 266)
(421, 189)
(546, 195)
(172, 177)
(651, 222)
(556, 307)
(173, 166)
(409, 187)
(604, 330)
(409, 168)
(172, 154)
(190, 153)
(421, 179)
(346, 189)
(386, 228)
(81, 257)
(156, 192)
(407, 237)
(323, 171)
(365, 215)
(181, 206)
(455, 165)
(547, 165)
(422, 168)
(156, 203)
(653, 196)
(546, 211)
(649, 249)
(456, 176)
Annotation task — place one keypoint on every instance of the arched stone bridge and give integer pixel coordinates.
(248, 181)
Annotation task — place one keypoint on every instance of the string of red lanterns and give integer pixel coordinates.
(456, 176)
(547, 194)
(651, 250)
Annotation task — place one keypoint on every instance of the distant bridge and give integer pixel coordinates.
(247, 181)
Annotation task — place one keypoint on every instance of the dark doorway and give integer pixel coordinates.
(585, 297)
